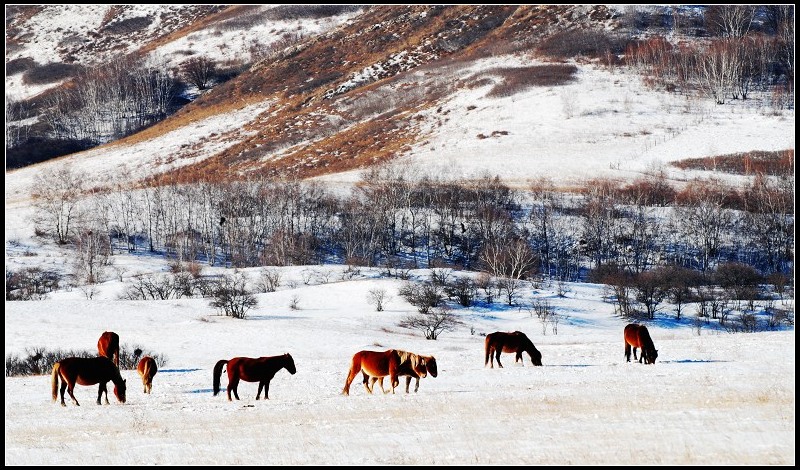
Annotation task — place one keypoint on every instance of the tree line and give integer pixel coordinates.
(397, 219)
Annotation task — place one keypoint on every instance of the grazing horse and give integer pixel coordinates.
(515, 342)
(147, 369)
(411, 366)
(87, 371)
(374, 364)
(637, 336)
(108, 346)
(250, 369)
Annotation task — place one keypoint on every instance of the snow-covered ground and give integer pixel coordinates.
(714, 398)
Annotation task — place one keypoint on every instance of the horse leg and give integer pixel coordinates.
(518, 358)
(260, 387)
(634, 353)
(627, 352)
(233, 386)
(70, 388)
(266, 390)
(497, 356)
(63, 389)
(367, 381)
(100, 393)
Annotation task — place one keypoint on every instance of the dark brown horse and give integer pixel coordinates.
(250, 369)
(87, 371)
(147, 369)
(374, 364)
(108, 346)
(515, 342)
(411, 366)
(637, 336)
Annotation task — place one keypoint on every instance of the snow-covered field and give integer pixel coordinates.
(714, 398)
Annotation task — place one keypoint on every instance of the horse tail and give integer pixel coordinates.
(488, 347)
(54, 379)
(355, 367)
(217, 373)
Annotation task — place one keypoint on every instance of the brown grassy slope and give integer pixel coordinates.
(297, 135)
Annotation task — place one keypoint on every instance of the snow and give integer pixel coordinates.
(711, 399)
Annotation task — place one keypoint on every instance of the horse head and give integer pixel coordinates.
(119, 391)
(290, 364)
(430, 365)
(650, 356)
(536, 356)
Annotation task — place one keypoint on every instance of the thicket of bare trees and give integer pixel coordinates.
(111, 101)
(671, 245)
(736, 59)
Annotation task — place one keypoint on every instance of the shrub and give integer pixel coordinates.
(19, 65)
(32, 283)
(433, 323)
(424, 297)
(231, 296)
(579, 42)
(517, 79)
(50, 73)
(40, 360)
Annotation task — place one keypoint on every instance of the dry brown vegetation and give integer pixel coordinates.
(779, 162)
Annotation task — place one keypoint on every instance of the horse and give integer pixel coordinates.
(147, 369)
(251, 369)
(87, 371)
(637, 336)
(411, 366)
(374, 364)
(515, 342)
(108, 346)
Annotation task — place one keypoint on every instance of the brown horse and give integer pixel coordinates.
(411, 366)
(251, 369)
(147, 369)
(637, 336)
(108, 346)
(374, 364)
(87, 371)
(515, 342)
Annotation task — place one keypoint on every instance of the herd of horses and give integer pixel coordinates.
(373, 365)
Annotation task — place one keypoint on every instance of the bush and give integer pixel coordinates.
(30, 283)
(517, 79)
(19, 65)
(50, 73)
(578, 42)
(40, 360)
(424, 296)
(231, 296)
(433, 323)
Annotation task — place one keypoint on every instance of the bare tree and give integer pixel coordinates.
(703, 219)
(378, 298)
(91, 256)
(729, 20)
(199, 71)
(433, 323)
(57, 201)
